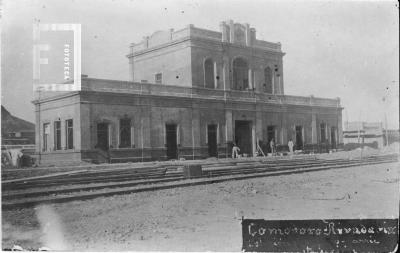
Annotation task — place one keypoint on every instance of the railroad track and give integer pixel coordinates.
(92, 184)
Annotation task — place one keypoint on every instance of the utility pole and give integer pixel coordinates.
(386, 132)
(141, 136)
(359, 123)
(39, 89)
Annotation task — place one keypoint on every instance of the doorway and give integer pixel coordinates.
(333, 137)
(212, 140)
(299, 138)
(102, 136)
(243, 137)
(172, 145)
(271, 134)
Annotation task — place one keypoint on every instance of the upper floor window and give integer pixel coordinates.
(209, 74)
(240, 74)
(268, 80)
(158, 78)
(125, 133)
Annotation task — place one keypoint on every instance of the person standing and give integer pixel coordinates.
(290, 145)
(272, 146)
(235, 151)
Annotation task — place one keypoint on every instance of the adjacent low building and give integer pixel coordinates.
(192, 94)
(372, 134)
(15, 132)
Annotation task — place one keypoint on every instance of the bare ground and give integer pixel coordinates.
(206, 217)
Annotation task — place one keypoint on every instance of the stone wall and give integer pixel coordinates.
(150, 112)
(173, 62)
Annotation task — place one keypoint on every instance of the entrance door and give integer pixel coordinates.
(172, 146)
(299, 138)
(270, 136)
(333, 137)
(243, 136)
(102, 136)
(212, 140)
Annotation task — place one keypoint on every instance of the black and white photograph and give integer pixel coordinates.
(200, 125)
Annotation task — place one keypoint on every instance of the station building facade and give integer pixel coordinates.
(192, 94)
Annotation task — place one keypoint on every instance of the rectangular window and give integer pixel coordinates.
(158, 78)
(57, 135)
(69, 133)
(323, 132)
(46, 135)
(125, 133)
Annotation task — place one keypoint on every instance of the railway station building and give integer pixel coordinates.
(192, 94)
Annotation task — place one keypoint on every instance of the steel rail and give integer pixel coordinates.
(19, 200)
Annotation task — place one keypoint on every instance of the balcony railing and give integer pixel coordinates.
(199, 92)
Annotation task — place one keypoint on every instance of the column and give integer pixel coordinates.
(228, 126)
(283, 135)
(225, 73)
(258, 127)
(146, 127)
(250, 78)
(328, 132)
(229, 138)
(339, 127)
(314, 128)
(196, 131)
(84, 129)
(253, 135)
(117, 141)
(280, 78)
(215, 75)
(110, 134)
(273, 82)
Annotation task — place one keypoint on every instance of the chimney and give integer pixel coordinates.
(224, 31)
(247, 33)
(232, 31)
(253, 35)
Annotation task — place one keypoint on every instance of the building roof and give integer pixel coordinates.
(162, 38)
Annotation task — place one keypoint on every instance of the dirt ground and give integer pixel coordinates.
(203, 218)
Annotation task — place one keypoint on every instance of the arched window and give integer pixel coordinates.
(268, 80)
(209, 74)
(240, 74)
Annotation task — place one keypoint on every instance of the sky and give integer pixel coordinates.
(345, 49)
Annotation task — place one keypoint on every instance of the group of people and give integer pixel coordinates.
(236, 149)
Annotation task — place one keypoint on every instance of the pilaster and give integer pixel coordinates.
(228, 125)
(314, 130)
